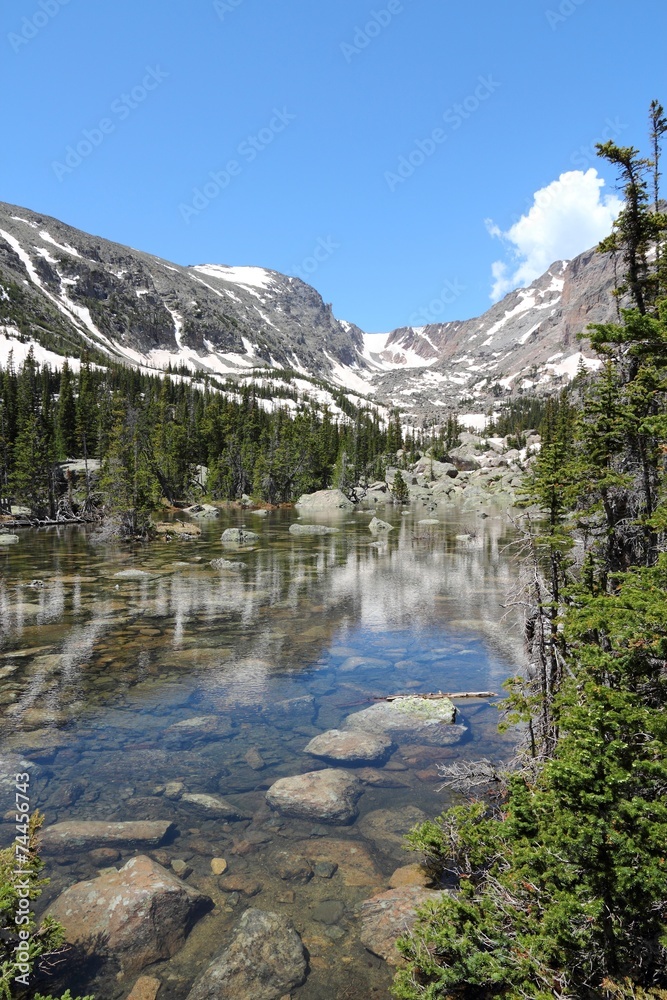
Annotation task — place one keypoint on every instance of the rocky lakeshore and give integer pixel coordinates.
(158, 885)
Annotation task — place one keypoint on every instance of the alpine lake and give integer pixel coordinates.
(126, 692)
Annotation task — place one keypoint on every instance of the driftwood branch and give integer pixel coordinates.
(439, 695)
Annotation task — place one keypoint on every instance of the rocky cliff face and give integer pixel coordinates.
(72, 292)
(138, 308)
(529, 341)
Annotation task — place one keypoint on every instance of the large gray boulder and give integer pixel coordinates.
(324, 500)
(411, 719)
(202, 511)
(238, 536)
(328, 796)
(140, 914)
(465, 456)
(439, 470)
(264, 961)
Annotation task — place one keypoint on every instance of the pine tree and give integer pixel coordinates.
(635, 230)
(31, 481)
(400, 489)
(86, 417)
(66, 436)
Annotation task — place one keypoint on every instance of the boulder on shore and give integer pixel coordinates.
(324, 500)
(328, 796)
(202, 510)
(140, 914)
(265, 960)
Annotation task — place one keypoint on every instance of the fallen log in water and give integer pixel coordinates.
(47, 522)
(452, 695)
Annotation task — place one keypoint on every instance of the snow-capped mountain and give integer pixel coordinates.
(529, 341)
(68, 292)
(135, 307)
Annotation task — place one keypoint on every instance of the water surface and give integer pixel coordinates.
(96, 669)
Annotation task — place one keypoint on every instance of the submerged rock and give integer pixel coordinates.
(329, 796)
(378, 527)
(300, 709)
(196, 731)
(414, 874)
(226, 564)
(133, 574)
(6, 539)
(386, 828)
(389, 915)
(292, 867)
(312, 529)
(145, 988)
(140, 914)
(264, 961)
(84, 835)
(214, 805)
(350, 747)
(411, 719)
(12, 764)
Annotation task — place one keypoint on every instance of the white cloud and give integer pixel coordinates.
(567, 217)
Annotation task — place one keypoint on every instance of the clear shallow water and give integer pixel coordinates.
(95, 669)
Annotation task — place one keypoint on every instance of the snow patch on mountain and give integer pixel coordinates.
(250, 277)
(10, 345)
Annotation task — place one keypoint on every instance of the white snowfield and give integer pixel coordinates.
(388, 358)
(251, 277)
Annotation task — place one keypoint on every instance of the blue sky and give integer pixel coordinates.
(386, 152)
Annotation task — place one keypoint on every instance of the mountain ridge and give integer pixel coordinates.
(89, 294)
